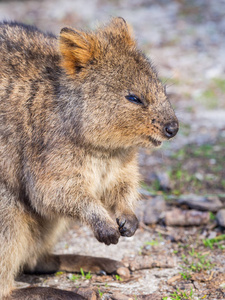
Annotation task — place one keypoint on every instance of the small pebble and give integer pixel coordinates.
(220, 217)
(123, 272)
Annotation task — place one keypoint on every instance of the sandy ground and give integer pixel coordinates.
(185, 40)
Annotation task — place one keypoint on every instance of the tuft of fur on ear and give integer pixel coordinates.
(77, 49)
(120, 31)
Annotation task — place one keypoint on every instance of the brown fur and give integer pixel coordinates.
(69, 137)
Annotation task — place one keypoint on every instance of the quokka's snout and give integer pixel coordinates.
(171, 129)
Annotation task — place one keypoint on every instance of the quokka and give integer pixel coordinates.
(73, 111)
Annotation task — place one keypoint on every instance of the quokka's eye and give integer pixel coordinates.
(134, 99)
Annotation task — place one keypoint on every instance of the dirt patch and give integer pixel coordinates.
(186, 41)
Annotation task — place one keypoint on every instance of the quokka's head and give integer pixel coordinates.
(122, 103)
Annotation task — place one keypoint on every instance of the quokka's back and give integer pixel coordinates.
(29, 62)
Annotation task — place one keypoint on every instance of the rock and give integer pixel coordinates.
(174, 279)
(119, 296)
(220, 217)
(105, 296)
(212, 235)
(123, 272)
(139, 211)
(222, 198)
(210, 203)
(87, 293)
(154, 296)
(178, 217)
(145, 192)
(161, 178)
(164, 182)
(153, 210)
(147, 262)
(150, 211)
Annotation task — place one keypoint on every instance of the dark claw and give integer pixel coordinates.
(128, 224)
(121, 224)
(123, 232)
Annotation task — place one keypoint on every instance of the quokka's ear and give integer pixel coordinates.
(119, 29)
(77, 49)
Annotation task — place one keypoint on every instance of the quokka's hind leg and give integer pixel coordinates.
(13, 240)
(16, 242)
(42, 293)
(73, 263)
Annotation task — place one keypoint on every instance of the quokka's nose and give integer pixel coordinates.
(170, 129)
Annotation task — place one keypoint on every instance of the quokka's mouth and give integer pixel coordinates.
(155, 142)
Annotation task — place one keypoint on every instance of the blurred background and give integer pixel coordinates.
(185, 39)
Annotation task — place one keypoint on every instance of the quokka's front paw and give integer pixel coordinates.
(128, 224)
(106, 233)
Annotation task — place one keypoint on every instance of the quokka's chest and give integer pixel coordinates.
(102, 175)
